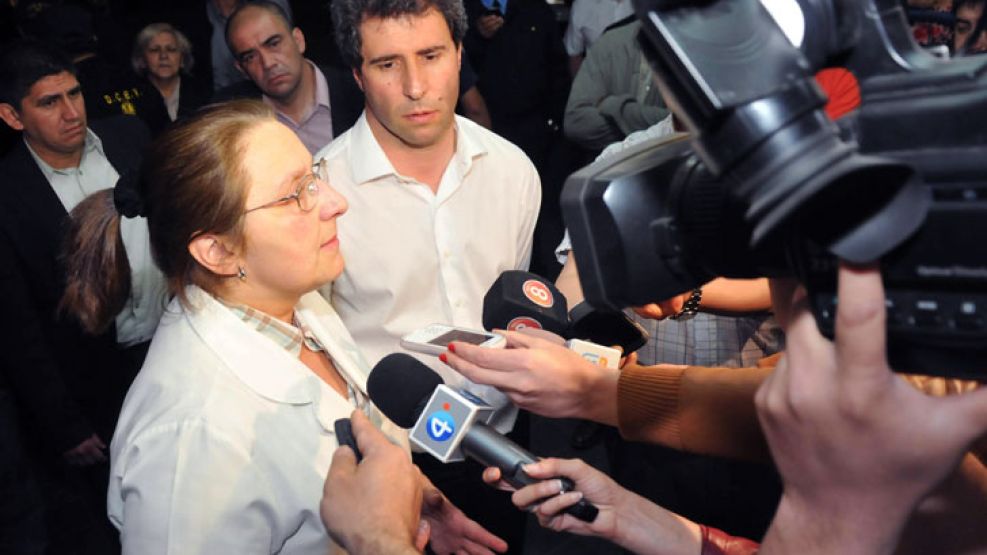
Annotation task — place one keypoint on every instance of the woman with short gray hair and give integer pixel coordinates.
(161, 55)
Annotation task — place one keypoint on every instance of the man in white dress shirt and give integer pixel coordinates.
(439, 206)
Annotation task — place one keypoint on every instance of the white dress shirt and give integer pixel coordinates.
(588, 19)
(415, 258)
(225, 438)
(135, 323)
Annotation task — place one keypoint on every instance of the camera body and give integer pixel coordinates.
(766, 185)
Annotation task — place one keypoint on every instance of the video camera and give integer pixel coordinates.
(766, 184)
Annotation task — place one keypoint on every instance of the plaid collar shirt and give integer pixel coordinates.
(290, 337)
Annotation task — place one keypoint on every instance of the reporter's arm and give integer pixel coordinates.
(625, 518)
(540, 376)
(736, 295)
(696, 409)
(722, 295)
(704, 410)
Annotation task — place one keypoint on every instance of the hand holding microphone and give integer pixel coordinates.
(451, 425)
(541, 376)
(358, 506)
(521, 300)
(547, 502)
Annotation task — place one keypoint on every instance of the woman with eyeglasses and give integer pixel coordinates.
(227, 433)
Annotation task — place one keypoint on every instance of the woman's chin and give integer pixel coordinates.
(330, 274)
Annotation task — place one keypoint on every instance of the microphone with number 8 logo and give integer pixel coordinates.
(522, 301)
(452, 425)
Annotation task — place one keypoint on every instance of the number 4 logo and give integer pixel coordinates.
(440, 426)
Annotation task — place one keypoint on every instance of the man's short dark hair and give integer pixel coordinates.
(348, 14)
(272, 7)
(25, 62)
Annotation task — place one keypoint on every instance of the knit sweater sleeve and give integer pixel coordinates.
(696, 409)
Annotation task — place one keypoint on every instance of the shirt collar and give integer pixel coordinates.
(289, 337)
(368, 161)
(321, 97)
(321, 86)
(282, 333)
(92, 143)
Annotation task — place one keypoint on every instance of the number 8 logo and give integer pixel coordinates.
(538, 293)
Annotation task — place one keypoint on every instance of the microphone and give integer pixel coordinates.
(521, 300)
(452, 425)
(606, 327)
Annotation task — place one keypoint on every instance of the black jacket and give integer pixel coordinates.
(522, 69)
(67, 384)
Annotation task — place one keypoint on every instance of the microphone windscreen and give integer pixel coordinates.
(400, 386)
(520, 299)
(607, 328)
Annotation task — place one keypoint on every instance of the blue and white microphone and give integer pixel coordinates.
(452, 425)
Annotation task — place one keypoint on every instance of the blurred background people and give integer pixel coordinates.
(317, 103)
(932, 23)
(588, 19)
(69, 379)
(970, 34)
(163, 55)
(109, 89)
(614, 93)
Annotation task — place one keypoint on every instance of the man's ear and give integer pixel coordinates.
(215, 253)
(236, 64)
(459, 55)
(299, 37)
(10, 116)
(358, 77)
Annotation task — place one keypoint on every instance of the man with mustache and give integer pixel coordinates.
(317, 103)
(439, 206)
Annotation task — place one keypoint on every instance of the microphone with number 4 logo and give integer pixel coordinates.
(452, 425)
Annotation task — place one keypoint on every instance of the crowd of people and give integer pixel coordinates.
(219, 215)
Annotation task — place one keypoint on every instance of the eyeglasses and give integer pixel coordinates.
(306, 194)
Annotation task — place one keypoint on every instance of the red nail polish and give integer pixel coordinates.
(451, 347)
(442, 357)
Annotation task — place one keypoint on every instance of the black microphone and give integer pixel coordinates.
(606, 327)
(451, 425)
(519, 300)
(522, 300)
